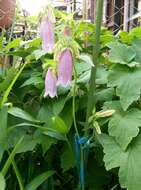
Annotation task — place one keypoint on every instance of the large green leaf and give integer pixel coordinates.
(59, 125)
(28, 144)
(51, 108)
(2, 182)
(128, 83)
(124, 126)
(105, 94)
(67, 158)
(33, 81)
(137, 48)
(37, 181)
(85, 63)
(17, 112)
(45, 141)
(128, 161)
(121, 53)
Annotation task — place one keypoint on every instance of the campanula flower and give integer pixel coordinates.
(65, 68)
(47, 35)
(50, 84)
(47, 31)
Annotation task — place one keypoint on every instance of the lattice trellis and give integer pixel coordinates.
(122, 14)
(117, 15)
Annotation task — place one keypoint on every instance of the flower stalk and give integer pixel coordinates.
(96, 51)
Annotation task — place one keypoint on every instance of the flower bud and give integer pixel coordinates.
(106, 113)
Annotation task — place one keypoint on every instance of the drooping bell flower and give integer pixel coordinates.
(47, 32)
(50, 84)
(65, 68)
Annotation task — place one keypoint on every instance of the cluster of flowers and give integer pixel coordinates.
(63, 74)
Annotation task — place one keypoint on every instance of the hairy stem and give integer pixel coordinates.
(96, 51)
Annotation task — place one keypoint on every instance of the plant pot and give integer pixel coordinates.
(7, 12)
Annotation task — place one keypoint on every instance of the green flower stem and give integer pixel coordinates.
(96, 51)
(73, 103)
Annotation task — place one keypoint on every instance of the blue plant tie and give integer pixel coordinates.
(82, 151)
(77, 150)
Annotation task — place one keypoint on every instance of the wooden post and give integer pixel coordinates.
(85, 10)
(126, 15)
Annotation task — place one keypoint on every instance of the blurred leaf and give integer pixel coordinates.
(17, 112)
(45, 141)
(127, 83)
(67, 159)
(13, 44)
(101, 75)
(83, 64)
(2, 39)
(128, 162)
(59, 125)
(38, 180)
(38, 54)
(3, 131)
(122, 54)
(105, 94)
(55, 134)
(2, 182)
(33, 81)
(11, 157)
(123, 125)
(125, 37)
(28, 144)
(10, 74)
(33, 43)
(51, 108)
(137, 45)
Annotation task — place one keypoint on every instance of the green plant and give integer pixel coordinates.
(48, 143)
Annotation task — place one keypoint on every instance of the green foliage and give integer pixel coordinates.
(37, 181)
(121, 124)
(37, 146)
(121, 53)
(127, 82)
(66, 163)
(2, 182)
(128, 161)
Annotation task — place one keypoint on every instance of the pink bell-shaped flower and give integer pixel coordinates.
(47, 35)
(50, 84)
(65, 68)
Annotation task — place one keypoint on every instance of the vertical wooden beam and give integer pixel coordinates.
(105, 11)
(92, 10)
(126, 15)
(131, 13)
(85, 9)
